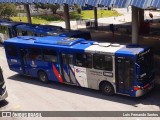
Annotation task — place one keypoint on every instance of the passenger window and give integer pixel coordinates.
(19, 33)
(67, 58)
(24, 33)
(30, 33)
(41, 35)
(102, 62)
(84, 60)
(35, 54)
(70, 59)
(11, 50)
(50, 55)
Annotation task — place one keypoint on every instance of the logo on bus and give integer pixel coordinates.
(77, 70)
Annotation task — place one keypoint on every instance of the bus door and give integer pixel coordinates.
(125, 75)
(23, 57)
(81, 69)
(67, 68)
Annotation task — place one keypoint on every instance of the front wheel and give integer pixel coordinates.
(43, 77)
(107, 89)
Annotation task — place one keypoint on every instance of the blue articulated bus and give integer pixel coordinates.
(3, 91)
(7, 30)
(10, 29)
(47, 30)
(111, 68)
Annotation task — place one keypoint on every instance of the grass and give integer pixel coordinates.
(38, 19)
(89, 14)
(86, 14)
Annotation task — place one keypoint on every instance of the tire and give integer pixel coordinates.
(107, 89)
(43, 77)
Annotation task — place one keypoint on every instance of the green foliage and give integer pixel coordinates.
(7, 10)
(86, 14)
(79, 11)
(89, 14)
(42, 19)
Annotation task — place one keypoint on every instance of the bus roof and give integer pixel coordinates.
(10, 24)
(71, 32)
(51, 41)
(132, 49)
(50, 27)
(33, 28)
(77, 44)
(53, 30)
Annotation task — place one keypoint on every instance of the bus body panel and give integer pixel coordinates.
(84, 63)
(15, 64)
(95, 77)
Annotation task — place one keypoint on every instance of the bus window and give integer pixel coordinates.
(24, 33)
(19, 32)
(30, 33)
(50, 55)
(84, 60)
(11, 50)
(102, 62)
(88, 61)
(36, 34)
(35, 54)
(67, 59)
(70, 59)
(41, 35)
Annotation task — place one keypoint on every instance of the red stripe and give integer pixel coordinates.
(146, 86)
(59, 77)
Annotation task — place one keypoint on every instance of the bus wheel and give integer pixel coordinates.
(107, 89)
(43, 77)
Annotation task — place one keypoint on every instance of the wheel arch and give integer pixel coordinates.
(41, 70)
(105, 81)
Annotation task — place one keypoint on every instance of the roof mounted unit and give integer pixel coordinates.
(115, 45)
(58, 41)
(26, 37)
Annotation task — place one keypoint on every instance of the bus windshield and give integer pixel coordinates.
(145, 62)
(4, 34)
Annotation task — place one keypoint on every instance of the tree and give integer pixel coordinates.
(52, 7)
(7, 10)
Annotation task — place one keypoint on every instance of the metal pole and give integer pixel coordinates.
(141, 15)
(66, 16)
(26, 6)
(135, 25)
(95, 18)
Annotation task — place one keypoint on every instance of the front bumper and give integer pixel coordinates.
(145, 91)
(4, 96)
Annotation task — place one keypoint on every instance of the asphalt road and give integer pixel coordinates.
(28, 94)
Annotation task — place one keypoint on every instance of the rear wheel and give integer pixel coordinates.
(43, 77)
(107, 89)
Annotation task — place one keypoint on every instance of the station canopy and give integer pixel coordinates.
(114, 3)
